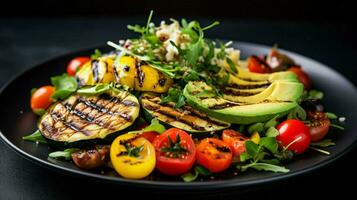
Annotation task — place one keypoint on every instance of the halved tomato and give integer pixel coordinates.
(175, 152)
(214, 154)
(235, 140)
(258, 65)
(319, 126)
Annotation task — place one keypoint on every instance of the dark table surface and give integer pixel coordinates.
(27, 42)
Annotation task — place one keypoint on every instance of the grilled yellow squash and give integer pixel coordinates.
(126, 71)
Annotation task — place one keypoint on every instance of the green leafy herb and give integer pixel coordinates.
(66, 154)
(284, 155)
(272, 132)
(331, 115)
(35, 137)
(154, 126)
(198, 170)
(132, 150)
(232, 66)
(265, 167)
(39, 111)
(337, 126)
(257, 127)
(175, 149)
(271, 123)
(101, 88)
(256, 153)
(174, 95)
(97, 53)
(65, 85)
(315, 94)
(297, 113)
(323, 143)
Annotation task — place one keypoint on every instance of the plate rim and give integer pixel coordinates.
(200, 185)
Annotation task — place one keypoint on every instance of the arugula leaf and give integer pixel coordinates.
(272, 132)
(154, 126)
(193, 52)
(232, 66)
(252, 148)
(337, 126)
(35, 137)
(191, 76)
(284, 155)
(66, 154)
(269, 143)
(97, 53)
(174, 95)
(199, 170)
(268, 167)
(315, 94)
(297, 113)
(65, 85)
(271, 123)
(222, 52)
(331, 115)
(323, 143)
(93, 90)
(257, 127)
(137, 28)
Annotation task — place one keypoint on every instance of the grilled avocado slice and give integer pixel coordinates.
(186, 117)
(83, 120)
(279, 98)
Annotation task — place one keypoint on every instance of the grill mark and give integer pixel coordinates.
(140, 73)
(57, 117)
(129, 103)
(263, 85)
(156, 108)
(103, 109)
(116, 74)
(248, 79)
(94, 65)
(223, 105)
(238, 93)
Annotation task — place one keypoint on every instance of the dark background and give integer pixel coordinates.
(34, 31)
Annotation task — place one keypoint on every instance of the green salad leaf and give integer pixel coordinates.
(65, 154)
(35, 137)
(65, 85)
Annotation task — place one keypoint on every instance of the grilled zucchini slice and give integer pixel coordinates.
(186, 118)
(83, 120)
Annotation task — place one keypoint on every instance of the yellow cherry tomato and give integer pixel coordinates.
(132, 157)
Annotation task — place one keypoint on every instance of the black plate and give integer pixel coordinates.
(18, 120)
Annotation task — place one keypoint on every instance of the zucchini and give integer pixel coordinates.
(83, 120)
(186, 118)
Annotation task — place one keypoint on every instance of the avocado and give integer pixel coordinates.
(278, 98)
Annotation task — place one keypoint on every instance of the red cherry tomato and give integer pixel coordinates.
(175, 152)
(214, 154)
(235, 140)
(41, 98)
(151, 135)
(319, 125)
(258, 65)
(302, 76)
(295, 135)
(75, 64)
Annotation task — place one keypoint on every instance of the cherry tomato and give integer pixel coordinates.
(175, 152)
(150, 135)
(132, 157)
(319, 125)
(294, 135)
(235, 140)
(258, 65)
(302, 76)
(41, 98)
(75, 64)
(214, 154)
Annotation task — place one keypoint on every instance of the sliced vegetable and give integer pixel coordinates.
(235, 140)
(175, 152)
(82, 120)
(132, 157)
(319, 125)
(214, 154)
(186, 117)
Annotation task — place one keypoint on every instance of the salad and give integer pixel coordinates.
(173, 102)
